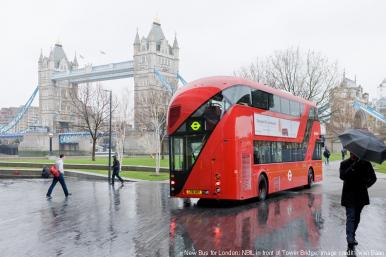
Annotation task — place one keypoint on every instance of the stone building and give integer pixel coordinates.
(30, 118)
(343, 114)
(7, 114)
(54, 97)
(150, 53)
(380, 106)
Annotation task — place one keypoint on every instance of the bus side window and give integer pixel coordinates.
(284, 106)
(260, 99)
(238, 94)
(317, 155)
(262, 152)
(256, 157)
(212, 115)
(301, 109)
(274, 104)
(276, 152)
(294, 108)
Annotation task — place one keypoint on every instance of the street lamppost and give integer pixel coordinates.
(50, 136)
(111, 99)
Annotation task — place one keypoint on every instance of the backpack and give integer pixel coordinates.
(54, 171)
(45, 172)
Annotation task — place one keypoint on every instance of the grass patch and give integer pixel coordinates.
(135, 161)
(336, 157)
(380, 167)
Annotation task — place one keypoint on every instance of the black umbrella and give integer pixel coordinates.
(364, 144)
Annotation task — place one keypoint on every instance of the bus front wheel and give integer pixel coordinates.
(263, 188)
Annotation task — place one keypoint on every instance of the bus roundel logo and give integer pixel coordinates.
(289, 175)
(195, 125)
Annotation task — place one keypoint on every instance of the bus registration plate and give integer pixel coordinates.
(193, 192)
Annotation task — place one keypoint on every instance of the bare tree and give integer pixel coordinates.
(91, 105)
(305, 74)
(152, 117)
(121, 123)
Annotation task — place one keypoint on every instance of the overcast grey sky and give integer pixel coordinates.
(215, 37)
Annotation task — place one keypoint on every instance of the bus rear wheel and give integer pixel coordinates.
(263, 188)
(310, 179)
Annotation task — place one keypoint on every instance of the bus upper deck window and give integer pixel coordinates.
(260, 99)
(212, 115)
(238, 94)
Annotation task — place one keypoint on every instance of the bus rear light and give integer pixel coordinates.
(218, 183)
(172, 188)
(218, 190)
(172, 182)
(217, 176)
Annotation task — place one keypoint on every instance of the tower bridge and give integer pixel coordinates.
(154, 66)
(155, 63)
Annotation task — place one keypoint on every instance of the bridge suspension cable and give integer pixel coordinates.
(369, 110)
(165, 83)
(20, 113)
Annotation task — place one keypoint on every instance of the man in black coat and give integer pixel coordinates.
(116, 167)
(358, 175)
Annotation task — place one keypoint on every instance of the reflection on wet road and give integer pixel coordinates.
(139, 219)
(290, 221)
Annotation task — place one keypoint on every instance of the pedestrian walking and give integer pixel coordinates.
(116, 168)
(326, 155)
(343, 154)
(60, 167)
(357, 175)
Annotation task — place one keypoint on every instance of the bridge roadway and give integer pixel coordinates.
(139, 219)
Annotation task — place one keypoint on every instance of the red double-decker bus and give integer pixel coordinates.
(235, 139)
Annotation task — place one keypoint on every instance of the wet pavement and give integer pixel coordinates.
(139, 219)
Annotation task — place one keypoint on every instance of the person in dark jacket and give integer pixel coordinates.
(116, 168)
(326, 155)
(357, 176)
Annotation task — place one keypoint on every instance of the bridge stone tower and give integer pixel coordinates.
(150, 53)
(54, 97)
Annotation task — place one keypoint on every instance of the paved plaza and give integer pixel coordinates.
(139, 219)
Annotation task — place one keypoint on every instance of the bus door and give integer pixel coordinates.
(245, 161)
(185, 150)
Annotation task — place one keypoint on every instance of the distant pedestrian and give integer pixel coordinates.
(59, 166)
(357, 176)
(326, 155)
(344, 152)
(116, 168)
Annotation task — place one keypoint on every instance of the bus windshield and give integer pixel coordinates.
(187, 142)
